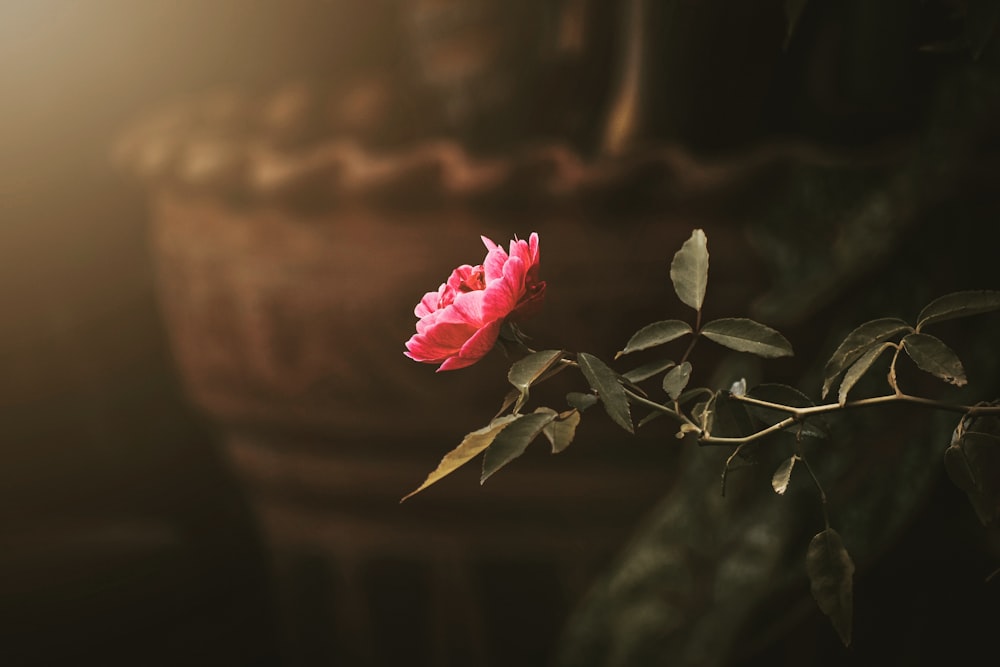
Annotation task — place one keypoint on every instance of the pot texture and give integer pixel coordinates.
(288, 277)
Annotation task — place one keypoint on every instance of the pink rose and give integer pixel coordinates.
(460, 322)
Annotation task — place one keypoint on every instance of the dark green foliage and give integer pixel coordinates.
(745, 335)
(604, 382)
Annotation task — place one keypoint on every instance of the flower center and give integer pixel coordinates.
(474, 281)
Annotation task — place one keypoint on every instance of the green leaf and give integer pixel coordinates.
(933, 356)
(579, 400)
(793, 12)
(524, 372)
(857, 343)
(561, 430)
(513, 440)
(958, 304)
(689, 270)
(647, 371)
(783, 475)
(471, 445)
(831, 578)
(676, 379)
(859, 368)
(604, 381)
(743, 335)
(655, 334)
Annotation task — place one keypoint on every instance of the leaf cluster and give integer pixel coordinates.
(741, 416)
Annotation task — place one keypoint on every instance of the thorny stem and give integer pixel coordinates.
(798, 414)
(694, 338)
(684, 357)
(679, 416)
(742, 440)
(795, 414)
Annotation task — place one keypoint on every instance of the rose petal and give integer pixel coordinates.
(475, 348)
(494, 263)
(429, 303)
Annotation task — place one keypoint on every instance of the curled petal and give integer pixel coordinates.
(429, 303)
(494, 263)
(439, 342)
(475, 348)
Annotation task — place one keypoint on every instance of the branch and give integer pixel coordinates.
(799, 414)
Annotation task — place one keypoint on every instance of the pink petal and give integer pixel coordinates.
(429, 303)
(439, 341)
(475, 348)
(468, 307)
(494, 263)
(501, 296)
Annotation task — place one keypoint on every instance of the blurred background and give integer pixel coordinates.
(124, 538)
(126, 535)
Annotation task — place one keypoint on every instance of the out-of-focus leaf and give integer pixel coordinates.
(604, 381)
(676, 379)
(513, 440)
(471, 445)
(783, 475)
(690, 394)
(744, 335)
(957, 464)
(579, 400)
(831, 578)
(527, 370)
(562, 429)
(727, 417)
(655, 334)
(958, 304)
(859, 368)
(933, 356)
(793, 12)
(689, 270)
(647, 371)
(973, 464)
(857, 343)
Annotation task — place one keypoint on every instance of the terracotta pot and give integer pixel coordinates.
(288, 280)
